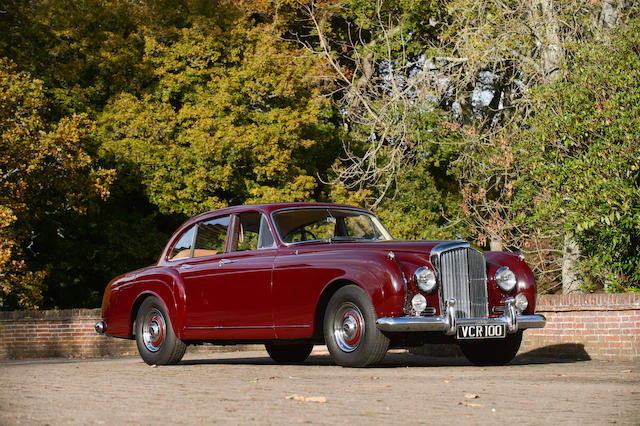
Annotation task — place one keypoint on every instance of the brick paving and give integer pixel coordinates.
(246, 387)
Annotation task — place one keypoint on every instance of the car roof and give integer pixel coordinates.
(266, 208)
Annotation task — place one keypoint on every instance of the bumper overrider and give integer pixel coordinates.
(448, 323)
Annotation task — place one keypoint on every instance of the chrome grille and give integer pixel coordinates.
(463, 277)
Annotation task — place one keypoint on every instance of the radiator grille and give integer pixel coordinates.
(463, 277)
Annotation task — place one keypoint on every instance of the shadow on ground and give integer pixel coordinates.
(555, 354)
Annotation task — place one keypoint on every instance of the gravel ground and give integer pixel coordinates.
(246, 387)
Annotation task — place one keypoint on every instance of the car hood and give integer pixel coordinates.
(412, 246)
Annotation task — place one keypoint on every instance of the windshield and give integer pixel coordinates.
(332, 224)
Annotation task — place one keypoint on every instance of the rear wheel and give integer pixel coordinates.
(288, 352)
(492, 351)
(350, 330)
(157, 343)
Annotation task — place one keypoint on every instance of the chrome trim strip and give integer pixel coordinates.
(442, 247)
(247, 327)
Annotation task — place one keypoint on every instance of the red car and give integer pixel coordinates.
(295, 275)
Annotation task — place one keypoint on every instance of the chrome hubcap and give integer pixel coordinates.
(153, 330)
(348, 327)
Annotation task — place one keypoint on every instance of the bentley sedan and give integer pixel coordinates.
(291, 276)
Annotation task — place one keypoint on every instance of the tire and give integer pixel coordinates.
(157, 343)
(289, 352)
(350, 330)
(492, 352)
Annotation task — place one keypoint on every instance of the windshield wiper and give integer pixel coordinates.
(344, 238)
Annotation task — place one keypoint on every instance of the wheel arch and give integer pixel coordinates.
(138, 302)
(323, 302)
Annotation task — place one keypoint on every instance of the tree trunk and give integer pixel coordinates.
(547, 30)
(611, 13)
(495, 244)
(572, 278)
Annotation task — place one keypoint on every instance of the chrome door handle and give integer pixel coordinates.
(185, 267)
(224, 261)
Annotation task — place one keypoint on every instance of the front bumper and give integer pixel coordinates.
(448, 323)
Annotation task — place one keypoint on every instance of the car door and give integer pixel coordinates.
(229, 292)
(197, 255)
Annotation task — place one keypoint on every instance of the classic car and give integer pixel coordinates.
(291, 276)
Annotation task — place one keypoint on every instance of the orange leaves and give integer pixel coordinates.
(46, 168)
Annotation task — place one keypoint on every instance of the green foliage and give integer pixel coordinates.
(584, 158)
(82, 253)
(231, 117)
(84, 51)
(424, 207)
(45, 171)
(205, 103)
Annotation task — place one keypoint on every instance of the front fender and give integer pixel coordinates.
(381, 278)
(526, 282)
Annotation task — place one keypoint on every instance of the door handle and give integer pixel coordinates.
(224, 261)
(185, 267)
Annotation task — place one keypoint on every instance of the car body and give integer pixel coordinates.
(298, 274)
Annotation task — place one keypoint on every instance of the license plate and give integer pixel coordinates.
(481, 331)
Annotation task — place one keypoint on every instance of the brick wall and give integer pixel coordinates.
(596, 326)
(579, 326)
(66, 333)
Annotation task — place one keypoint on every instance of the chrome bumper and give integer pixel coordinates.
(101, 327)
(448, 323)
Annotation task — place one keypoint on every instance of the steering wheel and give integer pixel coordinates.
(304, 235)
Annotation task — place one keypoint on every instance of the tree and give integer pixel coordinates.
(45, 170)
(232, 116)
(584, 157)
(397, 148)
(499, 53)
(84, 51)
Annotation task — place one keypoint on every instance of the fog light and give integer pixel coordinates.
(521, 303)
(419, 303)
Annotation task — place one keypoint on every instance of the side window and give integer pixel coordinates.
(360, 227)
(246, 232)
(211, 237)
(266, 239)
(182, 248)
(252, 232)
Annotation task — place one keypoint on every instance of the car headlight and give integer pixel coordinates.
(425, 279)
(419, 303)
(521, 303)
(506, 279)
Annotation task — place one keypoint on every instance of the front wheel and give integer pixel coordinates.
(157, 343)
(350, 330)
(288, 352)
(491, 351)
